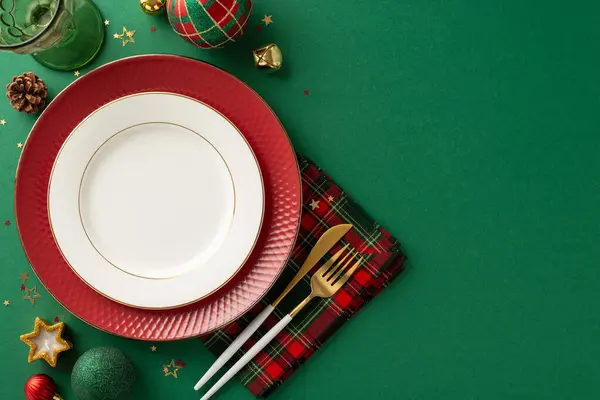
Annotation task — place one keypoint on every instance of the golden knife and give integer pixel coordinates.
(323, 245)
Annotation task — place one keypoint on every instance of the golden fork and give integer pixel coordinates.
(324, 283)
(329, 279)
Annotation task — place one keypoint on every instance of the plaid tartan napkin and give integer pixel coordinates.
(325, 205)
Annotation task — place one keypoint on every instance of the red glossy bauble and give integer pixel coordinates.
(41, 387)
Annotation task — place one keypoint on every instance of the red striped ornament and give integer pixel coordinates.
(209, 24)
(41, 387)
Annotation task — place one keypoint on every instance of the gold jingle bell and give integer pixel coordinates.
(152, 7)
(268, 58)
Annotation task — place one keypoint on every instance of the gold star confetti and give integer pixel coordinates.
(46, 342)
(314, 204)
(76, 73)
(31, 298)
(126, 36)
(153, 348)
(6, 303)
(106, 22)
(19, 145)
(330, 198)
(24, 277)
(167, 369)
(2, 122)
(268, 19)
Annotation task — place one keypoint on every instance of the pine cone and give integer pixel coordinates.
(27, 93)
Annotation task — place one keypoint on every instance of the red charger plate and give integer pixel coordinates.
(228, 95)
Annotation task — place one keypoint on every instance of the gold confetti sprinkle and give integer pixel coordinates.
(126, 36)
(171, 369)
(314, 204)
(31, 295)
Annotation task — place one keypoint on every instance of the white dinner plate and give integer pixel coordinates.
(156, 200)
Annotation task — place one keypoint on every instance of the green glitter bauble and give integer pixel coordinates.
(103, 373)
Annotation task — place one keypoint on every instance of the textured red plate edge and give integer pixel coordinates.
(227, 302)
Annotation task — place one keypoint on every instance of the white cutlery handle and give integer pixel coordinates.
(235, 346)
(248, 356)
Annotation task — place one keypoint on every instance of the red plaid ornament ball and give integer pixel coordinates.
(209, 23)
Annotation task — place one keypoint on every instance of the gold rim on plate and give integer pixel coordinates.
(99, 147)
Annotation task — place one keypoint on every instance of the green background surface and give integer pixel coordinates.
(468, 128)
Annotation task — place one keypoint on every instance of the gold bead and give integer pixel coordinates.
(152, 7)
(268, 57)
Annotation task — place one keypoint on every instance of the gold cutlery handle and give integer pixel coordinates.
(300, 306)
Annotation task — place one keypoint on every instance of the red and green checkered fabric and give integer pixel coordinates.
(322, 317)
(209, 23)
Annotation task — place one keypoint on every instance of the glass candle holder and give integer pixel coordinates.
(60, 34)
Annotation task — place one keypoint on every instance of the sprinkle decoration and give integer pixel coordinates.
(31, 295)
(126, 36)
(171, 369)
(314, 204)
